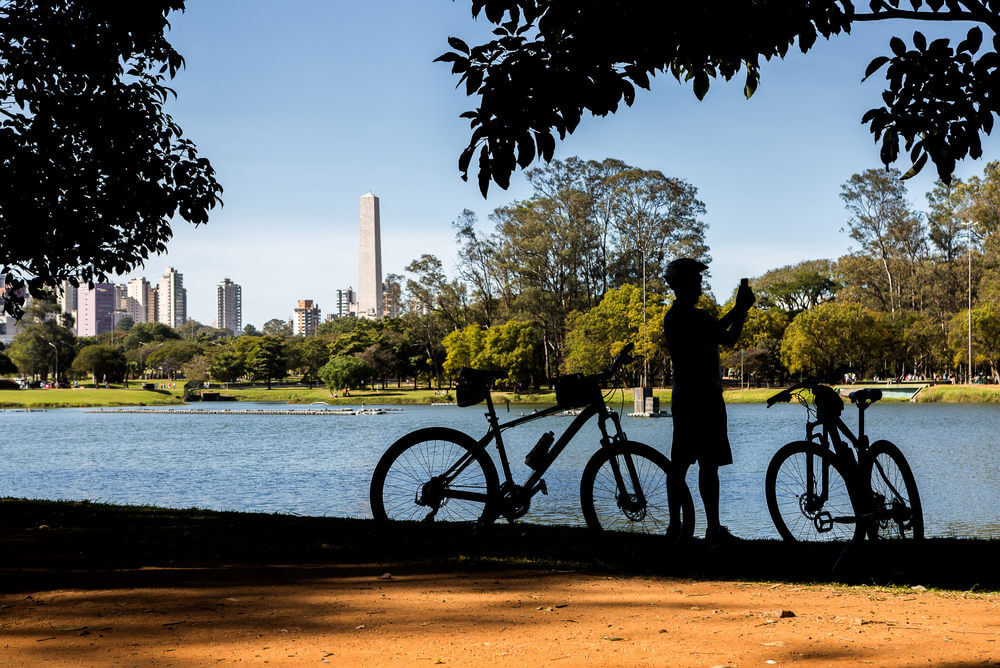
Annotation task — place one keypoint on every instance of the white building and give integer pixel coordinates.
(140, 292)
(229, 306)
(346, 303)
(171, 299)
(370, 260)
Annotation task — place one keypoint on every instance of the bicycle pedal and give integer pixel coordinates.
(823, 522)
(541, 487)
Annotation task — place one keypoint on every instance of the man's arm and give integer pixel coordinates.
(731, 324)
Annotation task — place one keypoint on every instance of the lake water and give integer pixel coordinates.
(321, 465)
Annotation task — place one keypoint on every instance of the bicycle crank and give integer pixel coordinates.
(515, 501)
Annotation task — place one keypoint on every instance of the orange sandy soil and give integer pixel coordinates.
(377, 615)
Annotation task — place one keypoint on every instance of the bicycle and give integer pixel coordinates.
(817, 489)
(440, 473)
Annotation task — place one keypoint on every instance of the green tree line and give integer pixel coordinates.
(565, 278)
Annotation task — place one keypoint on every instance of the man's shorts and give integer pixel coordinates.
(700, 431)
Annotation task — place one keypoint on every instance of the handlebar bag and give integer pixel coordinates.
(575, 389)
(829, 405)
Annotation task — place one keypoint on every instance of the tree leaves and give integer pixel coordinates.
(87, 153)
(552, 60)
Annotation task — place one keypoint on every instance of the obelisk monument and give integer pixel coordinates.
(370, 260)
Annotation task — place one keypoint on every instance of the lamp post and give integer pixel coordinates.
(969, 224)
(55, 348)
(141, 358)
(742, 352)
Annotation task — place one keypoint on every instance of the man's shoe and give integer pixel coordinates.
(720, 536)
(679, 534)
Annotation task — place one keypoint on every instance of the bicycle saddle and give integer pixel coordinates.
(868, 395)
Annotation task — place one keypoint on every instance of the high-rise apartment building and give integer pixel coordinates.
(67, 297)
(141, 292)
(306, 317)
(229, 306)
(95, 309)
(171, 300)
(370, 260)
(345, 301)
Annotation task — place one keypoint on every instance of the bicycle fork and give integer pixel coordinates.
(632, 504)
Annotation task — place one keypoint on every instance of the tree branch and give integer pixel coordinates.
(887, 13)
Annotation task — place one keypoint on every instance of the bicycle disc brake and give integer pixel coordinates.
(810, 505)
(632, 507)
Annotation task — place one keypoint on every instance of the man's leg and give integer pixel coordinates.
(708, 483)
(677, 491)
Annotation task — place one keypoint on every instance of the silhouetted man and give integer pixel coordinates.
(693, 337)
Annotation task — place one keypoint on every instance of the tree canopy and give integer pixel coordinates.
(92, 170)
(552, 60)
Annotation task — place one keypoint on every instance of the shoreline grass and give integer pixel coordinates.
(91, 397)
(44, 539)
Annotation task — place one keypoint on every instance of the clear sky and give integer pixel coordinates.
(304, 105)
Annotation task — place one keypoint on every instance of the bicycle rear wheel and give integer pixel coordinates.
(895, 502)
(642, 506)
(808, 495)
(409, 482)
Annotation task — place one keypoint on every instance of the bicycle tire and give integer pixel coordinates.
(793, 507)
(399, 487)
(895, 501)
(605, 510)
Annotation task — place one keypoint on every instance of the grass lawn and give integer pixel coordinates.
(64, 398)
(973, 394)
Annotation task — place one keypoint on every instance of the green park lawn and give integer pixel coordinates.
(972, 394)
(64, 398)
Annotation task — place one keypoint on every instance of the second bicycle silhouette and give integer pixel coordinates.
(819, 489)
(440, 474)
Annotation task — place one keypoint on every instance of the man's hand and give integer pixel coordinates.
(744, 296)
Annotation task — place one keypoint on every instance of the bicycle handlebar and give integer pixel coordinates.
(786, 395)
(623, 357)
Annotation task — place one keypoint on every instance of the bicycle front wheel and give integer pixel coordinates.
(808, 496)
(434, 474)
(641, 506)
(895, 502)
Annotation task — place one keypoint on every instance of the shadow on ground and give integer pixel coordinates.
(44, 542)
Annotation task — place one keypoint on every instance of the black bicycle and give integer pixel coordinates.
(442, 474)
(817, 489)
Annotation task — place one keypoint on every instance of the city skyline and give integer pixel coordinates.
(769, 169)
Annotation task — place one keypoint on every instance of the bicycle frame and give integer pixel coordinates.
(535, 483)
(832, 433)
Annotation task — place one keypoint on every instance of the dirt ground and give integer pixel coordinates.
(371, 616)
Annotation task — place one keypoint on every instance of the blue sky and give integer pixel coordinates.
(303, 106)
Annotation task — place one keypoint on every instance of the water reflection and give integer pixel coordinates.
(321, 465)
